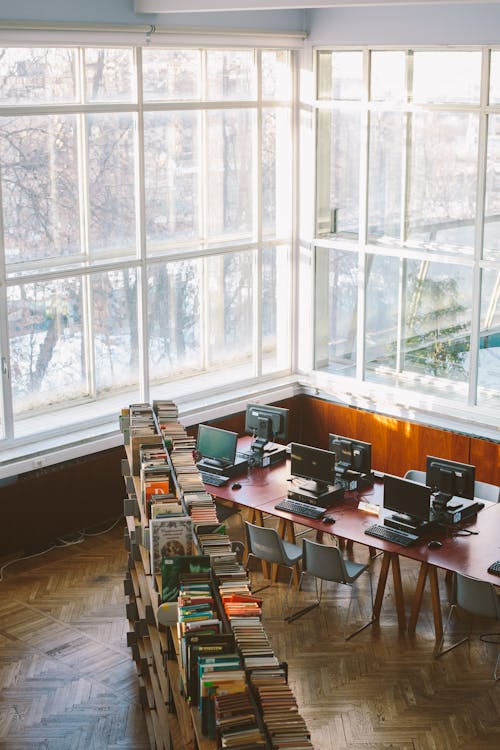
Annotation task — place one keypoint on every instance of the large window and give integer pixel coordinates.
(407, 256)
(145, 226)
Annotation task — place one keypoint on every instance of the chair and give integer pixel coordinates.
(266, 544)
(486, 491)
(415, 475)
(326, 562)
(476, 598)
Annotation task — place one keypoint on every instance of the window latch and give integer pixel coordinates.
(5, 369)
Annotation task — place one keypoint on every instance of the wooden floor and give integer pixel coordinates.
(67, 679)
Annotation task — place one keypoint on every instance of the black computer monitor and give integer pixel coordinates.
(216, 447)
(407, 498)
(350, 454)
(266, 422)
(450, 477)
(314, 465)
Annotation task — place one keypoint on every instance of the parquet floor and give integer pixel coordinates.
(67, 679)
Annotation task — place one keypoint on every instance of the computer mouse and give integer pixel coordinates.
(328, 519)
(434, 544)
(236, 486)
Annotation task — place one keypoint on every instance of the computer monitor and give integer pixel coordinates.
(266, 423)
(450, 478)
(217, 447)
(314, 465)
(350, 454)
(407, 498)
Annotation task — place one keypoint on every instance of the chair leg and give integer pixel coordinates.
(362, 627)
(310, 607)
(284, 608)
(440, 650)
(496, 674)
(261, 588)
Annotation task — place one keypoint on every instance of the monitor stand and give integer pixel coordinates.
(225, 470)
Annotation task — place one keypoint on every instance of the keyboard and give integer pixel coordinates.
(404, 538)
(301, 509)
(495, 568)
(216, 479)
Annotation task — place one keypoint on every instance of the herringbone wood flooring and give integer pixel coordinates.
(67, 679)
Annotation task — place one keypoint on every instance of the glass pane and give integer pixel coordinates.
(488, 390)
(438, 310)
(37, 76)
(276, 75)
(171, 166)
(109, 75)
(494, 77)
(41, 213)
(174, 319)
(336, 311)
(447, 76)
(340, 75)
(231, 135)
(338, 173)
(382, 294)
(230, 312)
(111, 177)
(388, 76)
(276, 172)
(443, 180)
(387, 133)
(491, 248)
(276, 308)
(115, 336)
(171, 74)
(231, 74)
(47, 344)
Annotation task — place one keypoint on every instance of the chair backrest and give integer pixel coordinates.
(477, 597)
(323, 561)
(266, 544)
(486, 491)
(415, 475)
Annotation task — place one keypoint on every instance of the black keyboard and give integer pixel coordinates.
(495, 568)
(216, 479)
(404, 538)
(301, 509)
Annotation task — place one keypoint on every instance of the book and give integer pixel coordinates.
(179, 568)
(170, 536)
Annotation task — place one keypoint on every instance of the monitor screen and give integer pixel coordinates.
(265, 421)
(312, 464)
(216, 445)
(355, 455)
(450, 477)
(407, 498)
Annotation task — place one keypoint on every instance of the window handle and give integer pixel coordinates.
(5, 368)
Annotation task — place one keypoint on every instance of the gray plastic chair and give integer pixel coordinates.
(486, 491)
(326, 563)
(415, 475)
(477, 598)
(266, 544)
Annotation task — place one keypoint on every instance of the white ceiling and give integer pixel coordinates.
(189, 6)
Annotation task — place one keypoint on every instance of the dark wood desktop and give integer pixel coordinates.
(469, 554)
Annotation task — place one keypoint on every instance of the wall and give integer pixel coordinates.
(40, 506)
(118, 12)
(461, 23)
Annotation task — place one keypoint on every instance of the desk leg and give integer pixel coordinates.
(417, 598)
(398, 591)
(382, 580)
(436, 603)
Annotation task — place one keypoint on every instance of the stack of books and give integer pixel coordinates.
(236, 722)
(201, 508)
(283, 724)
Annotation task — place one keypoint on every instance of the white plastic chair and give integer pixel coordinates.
(415, 475)
(486, 491)
(477, 598)
(265, 543)
(326, 563)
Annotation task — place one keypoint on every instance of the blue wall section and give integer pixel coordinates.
(407, 25)
(120, 12)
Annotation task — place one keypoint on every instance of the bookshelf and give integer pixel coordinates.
(173, 722)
